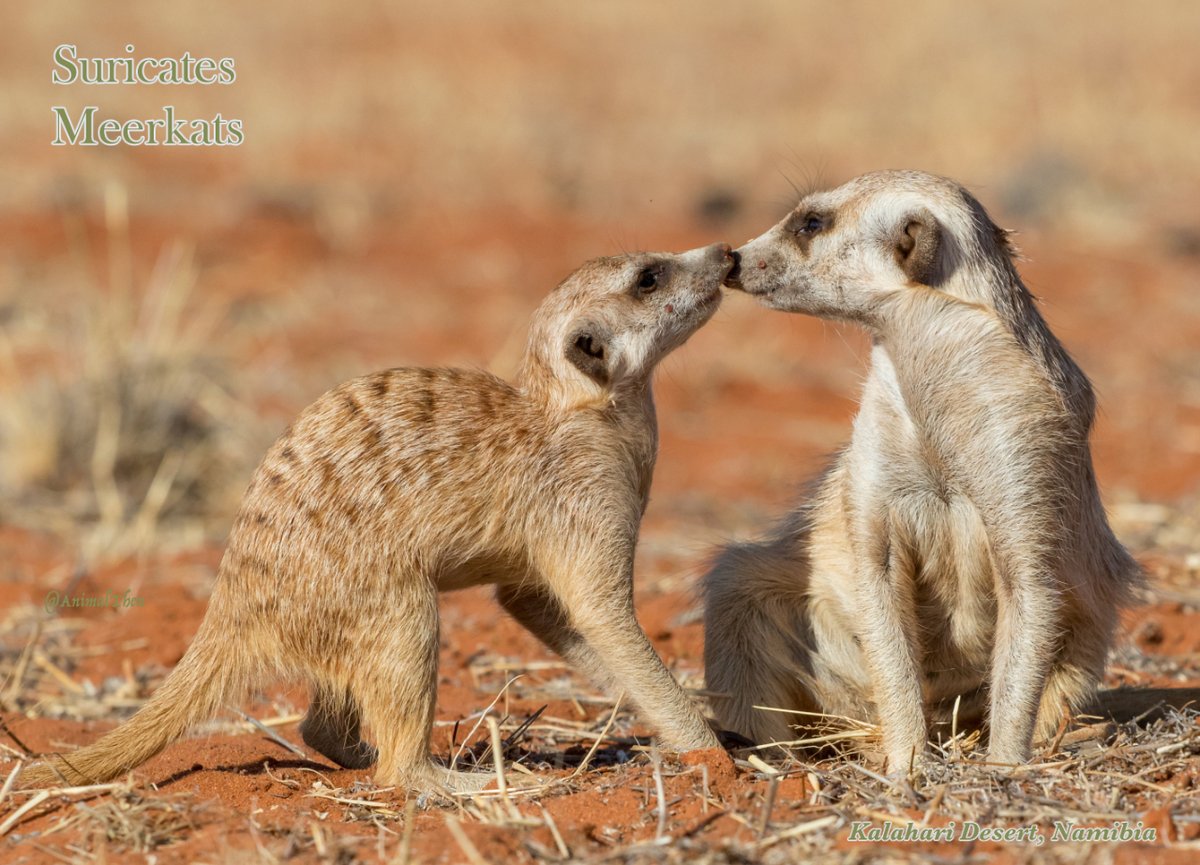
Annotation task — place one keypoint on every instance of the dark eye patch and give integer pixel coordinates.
(648, 280)
(809, 223)
(804, 225)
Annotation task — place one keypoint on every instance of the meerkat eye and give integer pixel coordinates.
(811, 224)
(647, 280)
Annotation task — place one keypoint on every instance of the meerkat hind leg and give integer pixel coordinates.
(332, 727)
(398, 695)
(1075, 676)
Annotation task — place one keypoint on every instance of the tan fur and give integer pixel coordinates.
(958, 545)
(398, 485)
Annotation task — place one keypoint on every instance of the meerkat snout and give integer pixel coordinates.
(721, 251)
(733, 278)
(726, 259)
(722, 257)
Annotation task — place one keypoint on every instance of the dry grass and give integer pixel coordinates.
(131, 821)
(1092, 775)
(128, 435)
(109, 816)
(37, 657)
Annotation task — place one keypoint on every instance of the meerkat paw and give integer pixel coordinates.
(360, 755)
(702, 738)
(1007, 759)
(476, 782)
(732, 741)
(450, 781)
(433, 778)
(907, 762)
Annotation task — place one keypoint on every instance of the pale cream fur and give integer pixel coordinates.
(958, 546)
(398, 485)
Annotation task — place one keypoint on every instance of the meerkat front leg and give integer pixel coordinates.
(888, 637)
(598, 601)
(1026, 638)
(613, 633)
(544, 617)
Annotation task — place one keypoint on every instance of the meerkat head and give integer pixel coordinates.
(840, 251)
(615, 318)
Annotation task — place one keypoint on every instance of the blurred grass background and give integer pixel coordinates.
(623, 109)
(415, 176)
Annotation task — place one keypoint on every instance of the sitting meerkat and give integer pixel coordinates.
(957, 547)
(396, 486)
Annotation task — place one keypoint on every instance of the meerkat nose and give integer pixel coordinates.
(717, 252)
(735, 268)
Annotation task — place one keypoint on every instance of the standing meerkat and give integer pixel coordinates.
(399, 485)
(958, 546)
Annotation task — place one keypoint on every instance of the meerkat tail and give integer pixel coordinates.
(751, 643)
(1144, 705)
(205, 679)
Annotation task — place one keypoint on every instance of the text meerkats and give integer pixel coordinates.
(958, 545)
(398, 485)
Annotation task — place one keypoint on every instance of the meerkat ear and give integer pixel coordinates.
(1004, 239)
(588, 348)
(918, 241)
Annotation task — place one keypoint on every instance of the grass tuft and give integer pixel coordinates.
(128, 435)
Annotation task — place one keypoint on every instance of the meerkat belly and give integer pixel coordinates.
(953, 593)
(953, 605)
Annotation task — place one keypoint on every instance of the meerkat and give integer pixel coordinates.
(399, 485)
(957, 548)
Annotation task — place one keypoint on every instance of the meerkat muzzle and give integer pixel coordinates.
(733, 276)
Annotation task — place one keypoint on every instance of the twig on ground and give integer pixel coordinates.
(271, 734)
